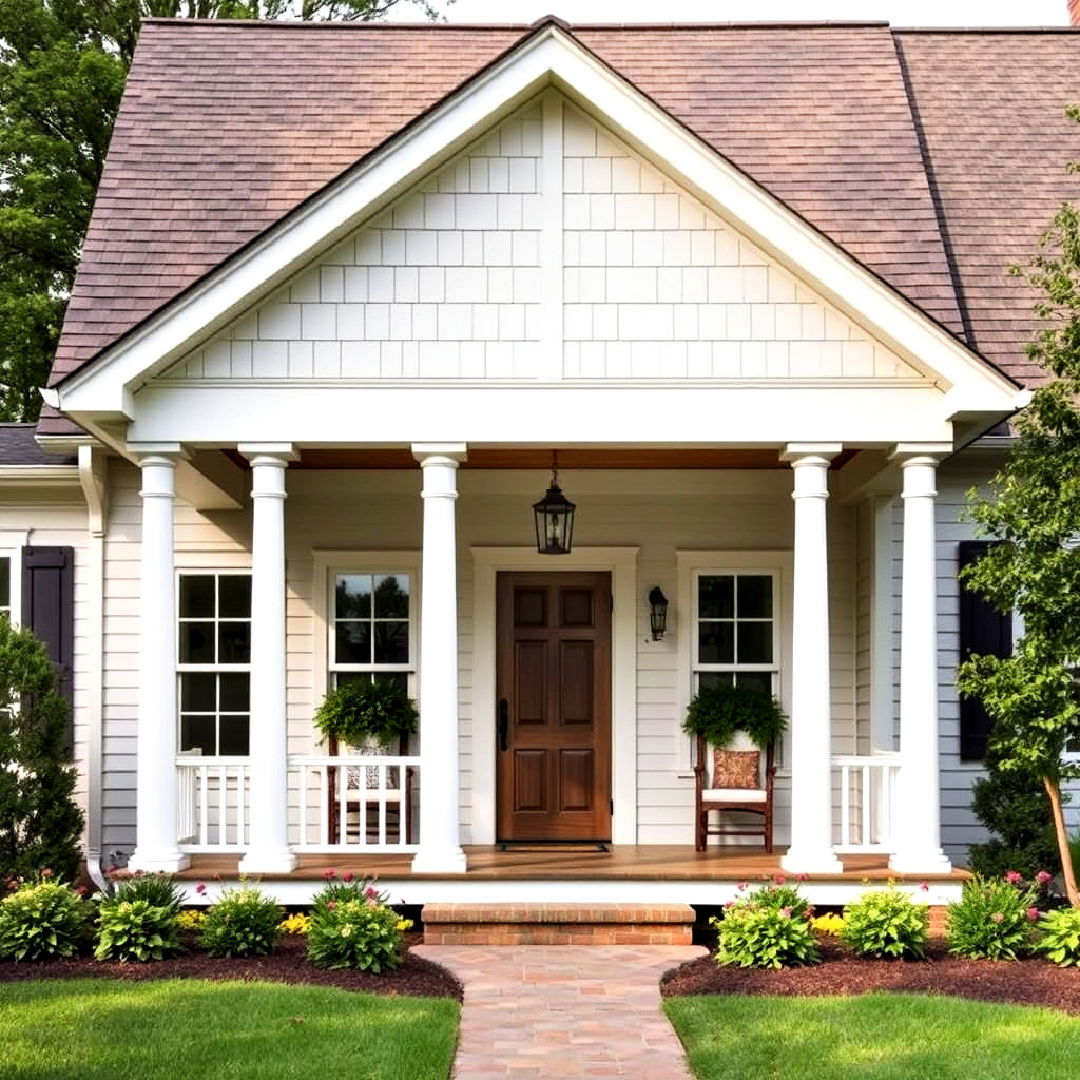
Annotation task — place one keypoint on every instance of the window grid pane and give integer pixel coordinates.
(370, 629)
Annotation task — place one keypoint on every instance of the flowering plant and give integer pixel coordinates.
(886, 923)
(830, 924)
(769, 928)
(351, 926)
(994, 918)
(297, 923)
(244, 922)
(41, 920)
(190, 919)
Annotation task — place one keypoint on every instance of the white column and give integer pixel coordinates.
(268, 851)
(440, 832)
(917, 824)
(810, 740)
(155, 760)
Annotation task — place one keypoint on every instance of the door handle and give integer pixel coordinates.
(504, 722)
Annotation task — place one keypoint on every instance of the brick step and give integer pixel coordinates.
(558, 924)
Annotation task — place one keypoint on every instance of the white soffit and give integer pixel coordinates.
(106, 386)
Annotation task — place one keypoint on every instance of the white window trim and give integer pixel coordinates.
(192, 568)
(326, 564)
(12, 542)
(692, 564)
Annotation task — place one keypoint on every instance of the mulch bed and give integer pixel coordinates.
(1021, 982)
(415, 977)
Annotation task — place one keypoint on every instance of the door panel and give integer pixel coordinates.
(554, 672)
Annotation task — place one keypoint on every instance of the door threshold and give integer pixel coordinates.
(554, 845)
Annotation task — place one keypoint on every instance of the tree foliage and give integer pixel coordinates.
(39, 821)
(62, 69)
(1033, 509)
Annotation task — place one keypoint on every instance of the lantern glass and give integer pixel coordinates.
(554, 515)
(658, 605)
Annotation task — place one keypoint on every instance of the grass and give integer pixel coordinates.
(874, 1037)
(98, 1029)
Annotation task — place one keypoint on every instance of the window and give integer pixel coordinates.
(214, 650)
(371, 627)
(735, 634)
(6, 607)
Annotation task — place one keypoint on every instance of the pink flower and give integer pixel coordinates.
(370, 893)
(1033, 914)
(1043, 878)
(347, 876)
(730, 903)
(201, 888)
(46, 873)
(785, 913)
(741, 886)
(1014, 877)
(780, 879)
(997, 917)
(329, 874)
(925, 886)
(330, 905)
(803, 877)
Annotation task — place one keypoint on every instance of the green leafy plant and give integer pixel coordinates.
(352, 927)
(42, 920)
(39, 821)
(718, 711)
(1059, 937)
(994, 918)
(157, 890)
(136, 930)
(764, 931)
(191, 920)
(886, 923)
(360, 711)
(244, 922)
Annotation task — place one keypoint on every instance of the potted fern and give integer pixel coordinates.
(368, 715)
(717, 712)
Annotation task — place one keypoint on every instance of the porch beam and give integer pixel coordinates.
(811, 849)
(918, 829)
(156, 793)
(440, 827)
(268, 851)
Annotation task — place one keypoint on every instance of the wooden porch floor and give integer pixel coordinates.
(652, 862)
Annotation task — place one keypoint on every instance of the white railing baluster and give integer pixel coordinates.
(204, 796)
(324, 807)
(871, 780)
(845, 805)
(866, 794)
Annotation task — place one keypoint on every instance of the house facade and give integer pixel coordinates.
(322, 357)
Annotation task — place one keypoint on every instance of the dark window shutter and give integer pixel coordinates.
(984, 631)
(48, 609)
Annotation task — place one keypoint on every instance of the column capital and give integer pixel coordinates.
(280, 453)
(158, 453)
(802, 453)
(905, 454)
(446, 453)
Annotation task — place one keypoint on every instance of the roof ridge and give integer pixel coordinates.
(327, 24)
(985, 29)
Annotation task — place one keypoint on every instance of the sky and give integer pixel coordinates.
(897, 12)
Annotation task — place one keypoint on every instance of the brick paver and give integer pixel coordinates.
(535, 1012)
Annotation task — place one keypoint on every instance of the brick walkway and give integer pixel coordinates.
(536, 1012)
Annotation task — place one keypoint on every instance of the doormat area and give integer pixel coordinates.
(555, 848)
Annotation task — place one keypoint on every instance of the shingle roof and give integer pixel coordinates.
(225, 127)
(19, 447)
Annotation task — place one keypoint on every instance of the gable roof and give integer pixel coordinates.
(226, 127)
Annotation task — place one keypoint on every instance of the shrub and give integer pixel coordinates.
(352, 927)
(340, 890)
(157, 890)
(42, 920)
(298, 924)
(191, 920)
(1059, 937)
(993, 919)
(39, 820)
(136, 930)
(244, 922)
(763, 931)
(886, 923)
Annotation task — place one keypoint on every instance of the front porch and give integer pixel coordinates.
(625, 873)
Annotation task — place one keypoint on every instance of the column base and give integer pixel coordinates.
(806, 861)
(158, 861)
(439, 861)
(267, 861)
(927, 861)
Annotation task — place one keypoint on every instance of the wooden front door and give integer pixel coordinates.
(553, 707)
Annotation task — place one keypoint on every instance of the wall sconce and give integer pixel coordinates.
(658, 605)
(554, 515)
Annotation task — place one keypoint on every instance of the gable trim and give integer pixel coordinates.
(550, 56)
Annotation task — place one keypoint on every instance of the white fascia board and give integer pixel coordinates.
(551, 56)
(43, 476)
(650, 414)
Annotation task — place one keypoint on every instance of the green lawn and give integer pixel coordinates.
(99, 1029)
(876, 1037)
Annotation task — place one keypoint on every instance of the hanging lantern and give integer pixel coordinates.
(658, 605)
(554, 515)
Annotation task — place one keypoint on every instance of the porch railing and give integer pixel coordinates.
(866, 785)
(212, 808)
(354, 803)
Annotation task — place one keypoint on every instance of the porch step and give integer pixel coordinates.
(558, 924)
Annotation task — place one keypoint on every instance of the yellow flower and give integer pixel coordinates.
(404, 924)
(191, 919)
(296, 924)
(829, 924)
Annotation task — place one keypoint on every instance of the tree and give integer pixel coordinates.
(62, 69)
(39, 821)
(1033, 509)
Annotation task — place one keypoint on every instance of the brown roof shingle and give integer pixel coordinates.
(226, 127)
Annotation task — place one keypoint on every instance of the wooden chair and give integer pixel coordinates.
(755, 799)
(398, 799)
